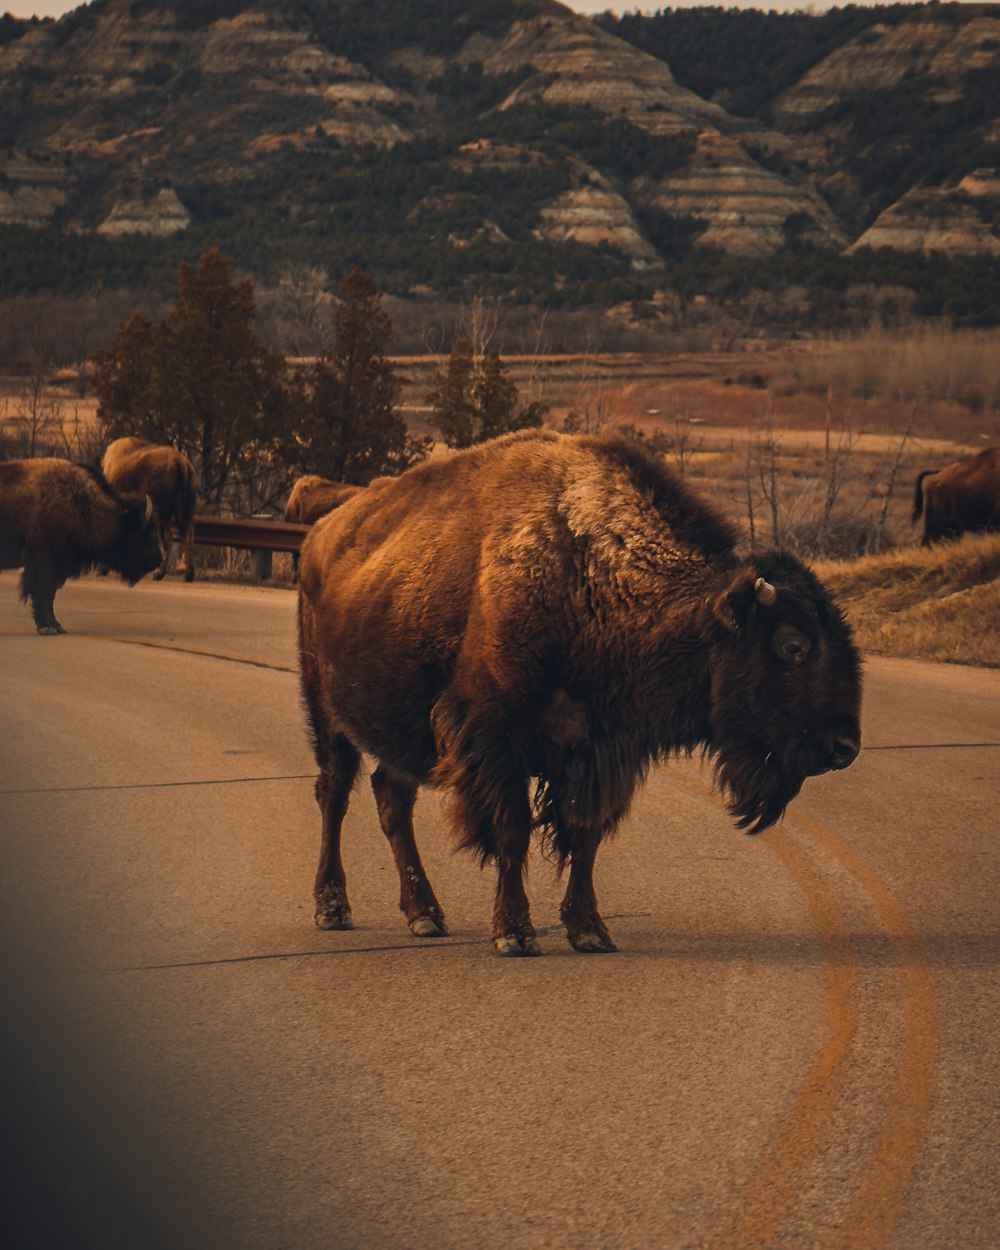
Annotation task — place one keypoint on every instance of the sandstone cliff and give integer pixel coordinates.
(280, 124)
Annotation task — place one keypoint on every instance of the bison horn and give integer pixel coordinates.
(765, 592)
(147, 516)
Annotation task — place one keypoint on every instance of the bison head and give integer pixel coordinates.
(786, 688)
(138, 552)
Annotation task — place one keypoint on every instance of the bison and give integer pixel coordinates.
(530, 624)
(312, 497)
(961, 498)
(59, 519)
(136, 467)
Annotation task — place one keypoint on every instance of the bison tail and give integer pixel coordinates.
(918, 496)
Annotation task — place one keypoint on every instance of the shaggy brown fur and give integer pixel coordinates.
(58, 519)
(963, 498)
(564, 610)
(134, 466)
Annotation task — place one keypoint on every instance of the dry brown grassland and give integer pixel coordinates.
(813, 446)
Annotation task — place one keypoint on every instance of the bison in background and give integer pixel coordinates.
(134, 466)
(312, 497)
(556, 613)
(962, 498)
(58, 520)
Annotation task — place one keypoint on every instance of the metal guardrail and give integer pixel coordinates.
(249, 533)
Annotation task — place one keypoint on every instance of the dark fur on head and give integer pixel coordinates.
(775, 719)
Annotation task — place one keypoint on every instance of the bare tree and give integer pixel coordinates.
(35, 411)
(879, 531)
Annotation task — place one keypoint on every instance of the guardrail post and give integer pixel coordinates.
(262, 565)
(262, 562)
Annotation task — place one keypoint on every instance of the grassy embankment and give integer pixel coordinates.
(940, 603)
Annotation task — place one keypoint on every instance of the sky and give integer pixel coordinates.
(56, 8)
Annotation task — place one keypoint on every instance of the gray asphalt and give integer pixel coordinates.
(795, 1045)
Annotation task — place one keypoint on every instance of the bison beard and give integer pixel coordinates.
(563, 611)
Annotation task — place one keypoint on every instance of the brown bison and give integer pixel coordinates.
(962, 498)
(59, 519)
(312, 497)
(563, 611)
(134, 466)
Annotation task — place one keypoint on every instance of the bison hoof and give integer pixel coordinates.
(430, 925)
(511, 945)
(333, 910)
(49, 631)
(592, 943)
(159, 575)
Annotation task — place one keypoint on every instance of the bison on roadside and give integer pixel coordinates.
(312, 497)
(58, 520)
(962, 498)
(134, 466)
(554, 613)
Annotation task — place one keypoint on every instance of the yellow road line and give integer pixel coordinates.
(767, 1196)
(873, 1212)
(869, 1222)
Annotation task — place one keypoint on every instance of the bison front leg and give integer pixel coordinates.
(394, 799)
(585, 929)
(39, 583)
(338, 760)
(496, 822)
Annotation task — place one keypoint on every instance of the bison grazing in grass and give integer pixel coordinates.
(530, 624)
(58, 519)
(135, 467)
(962, 498)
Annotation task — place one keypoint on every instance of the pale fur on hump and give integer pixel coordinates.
(621, 530)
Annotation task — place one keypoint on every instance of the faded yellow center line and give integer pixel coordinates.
(870, 1220)
(767, 1196)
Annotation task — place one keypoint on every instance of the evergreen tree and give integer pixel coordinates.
(474, 398)
(200, 380)
(353, 430)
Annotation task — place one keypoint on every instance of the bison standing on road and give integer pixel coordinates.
(566, 610)
(59, 519)
(134, 466)
(962, 498)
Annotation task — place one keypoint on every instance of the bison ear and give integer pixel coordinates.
(733, 606)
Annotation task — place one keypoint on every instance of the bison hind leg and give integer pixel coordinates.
(339, 761)
(394, 798)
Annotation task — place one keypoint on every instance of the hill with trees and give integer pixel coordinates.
(510, 148)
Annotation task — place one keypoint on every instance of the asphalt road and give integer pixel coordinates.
(796, 1045)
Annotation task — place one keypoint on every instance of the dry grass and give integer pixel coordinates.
(939, 603)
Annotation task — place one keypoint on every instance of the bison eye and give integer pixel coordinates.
(791, 645)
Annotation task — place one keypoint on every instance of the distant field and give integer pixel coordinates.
(796, 442)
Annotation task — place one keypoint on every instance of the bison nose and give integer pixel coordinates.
(843, 751)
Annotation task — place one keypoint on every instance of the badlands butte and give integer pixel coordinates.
(510, 146)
